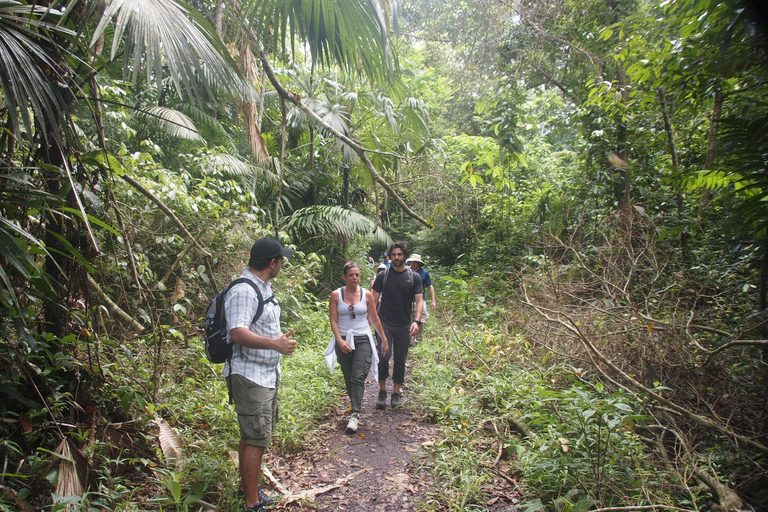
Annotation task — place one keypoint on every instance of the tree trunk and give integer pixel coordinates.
(283, 141)
(621, 143)
(675, 169)
(218, 18)
(714, 124)
(763, 285)
(345, 191)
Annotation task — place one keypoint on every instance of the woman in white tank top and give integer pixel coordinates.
(352, 310)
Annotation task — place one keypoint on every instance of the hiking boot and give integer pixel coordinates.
(396, 400)
(265, 499)
(352, 425)
(381, 400)
(265, 502)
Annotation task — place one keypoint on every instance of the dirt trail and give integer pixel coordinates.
(384, 458)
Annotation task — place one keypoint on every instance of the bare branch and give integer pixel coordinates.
(572, 326)
(167, 211)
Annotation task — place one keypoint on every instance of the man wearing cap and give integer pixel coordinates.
(253, 372)
(418, 266)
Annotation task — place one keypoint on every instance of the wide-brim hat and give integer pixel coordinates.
(415, 257)
(381, 266)
(267, 249)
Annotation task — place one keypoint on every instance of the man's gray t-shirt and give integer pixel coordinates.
(397, 297)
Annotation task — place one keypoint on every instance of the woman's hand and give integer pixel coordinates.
(343, 346)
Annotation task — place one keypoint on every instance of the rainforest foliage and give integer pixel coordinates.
(586, 178)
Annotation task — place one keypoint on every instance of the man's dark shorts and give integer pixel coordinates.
(256, 408)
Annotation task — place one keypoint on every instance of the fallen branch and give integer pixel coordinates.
(115, 310)
(357, 148)
(729, 500)
(274, 481)
(311, 494)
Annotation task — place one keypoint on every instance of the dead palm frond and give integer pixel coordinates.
(171, 443)
(68, 483)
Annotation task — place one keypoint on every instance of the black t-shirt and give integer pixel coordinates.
(398, 296)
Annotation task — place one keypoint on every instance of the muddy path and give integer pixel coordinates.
(384, 467)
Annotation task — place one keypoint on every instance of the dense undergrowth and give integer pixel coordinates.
(597, 375)
(572, 384)
(544, 378)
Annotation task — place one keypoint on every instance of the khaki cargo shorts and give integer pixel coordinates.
(256, 408)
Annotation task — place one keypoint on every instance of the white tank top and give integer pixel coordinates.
(359, 325)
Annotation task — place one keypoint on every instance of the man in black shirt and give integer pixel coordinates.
(399, 287)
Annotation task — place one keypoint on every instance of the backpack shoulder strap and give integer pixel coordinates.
(383, 284)
(260, 299)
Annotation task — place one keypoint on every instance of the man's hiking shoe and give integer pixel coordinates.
(265, 499)
(352, 425)
(396, 400)
(265, 502)
(381, 400)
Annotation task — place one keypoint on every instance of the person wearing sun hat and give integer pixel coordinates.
(381, 267)
(253, 372)
(417, 265)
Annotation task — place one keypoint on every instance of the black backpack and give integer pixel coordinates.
(217, 349)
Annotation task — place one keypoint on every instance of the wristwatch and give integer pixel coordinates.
(420, 322)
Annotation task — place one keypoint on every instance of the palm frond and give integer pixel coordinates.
(17, 197)
(334, 220)
(351, 33)
(172, 122)
(209, 127)
(29, 73)
(233, 166)
(167, 34)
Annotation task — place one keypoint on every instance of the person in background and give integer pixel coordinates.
(253, 372)
(398, 293)
(418, 266)
(378, 270)
(371, 263)
(386, 261)
(352, 311)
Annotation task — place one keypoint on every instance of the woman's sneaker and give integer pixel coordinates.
(396, 400)
(381, 400)
(352, 425)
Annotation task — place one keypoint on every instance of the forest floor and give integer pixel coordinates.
(384, 467)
